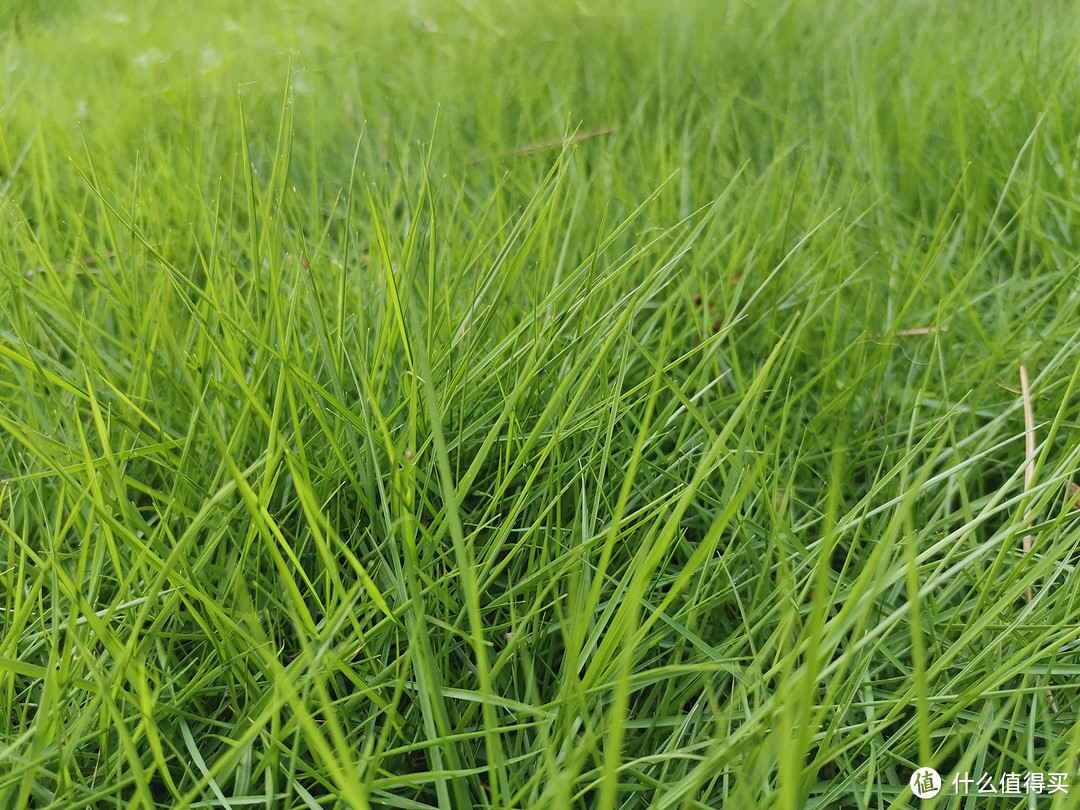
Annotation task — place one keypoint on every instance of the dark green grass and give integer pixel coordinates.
(463, 404)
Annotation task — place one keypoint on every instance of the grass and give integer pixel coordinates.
(588, 404)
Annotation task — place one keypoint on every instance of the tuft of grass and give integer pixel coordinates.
(591, 404)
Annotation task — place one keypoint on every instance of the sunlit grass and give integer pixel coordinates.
(585, 405)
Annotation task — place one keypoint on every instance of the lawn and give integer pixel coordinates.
(571, 404)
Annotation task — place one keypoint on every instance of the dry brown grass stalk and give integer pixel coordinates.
(1029, 471)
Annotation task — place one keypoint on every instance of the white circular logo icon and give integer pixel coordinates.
(925, 783)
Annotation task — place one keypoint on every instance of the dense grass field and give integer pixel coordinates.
(577, 404)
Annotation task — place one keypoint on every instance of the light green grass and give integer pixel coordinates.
(465, 404)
